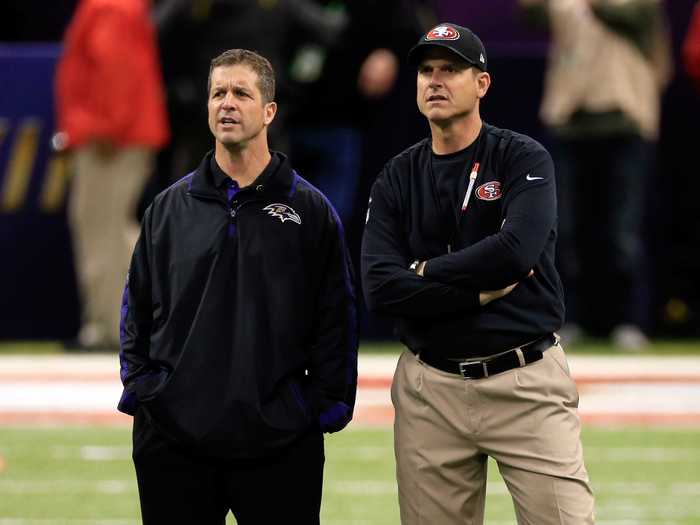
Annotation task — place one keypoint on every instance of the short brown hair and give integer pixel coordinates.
(258, 63)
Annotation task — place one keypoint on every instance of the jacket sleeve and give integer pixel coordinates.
(529, 219)
(136, 320)
(389, 285)
(333, 368)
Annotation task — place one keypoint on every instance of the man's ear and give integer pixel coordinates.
(483, 81)
(270, 112)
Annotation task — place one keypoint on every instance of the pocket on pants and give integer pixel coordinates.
(568, 386)
(408, 378)
(557, 354)
(552, 400)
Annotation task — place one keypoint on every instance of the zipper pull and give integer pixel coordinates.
(233, 210)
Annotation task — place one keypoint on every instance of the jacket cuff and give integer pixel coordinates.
(127, 403)
(334, 417)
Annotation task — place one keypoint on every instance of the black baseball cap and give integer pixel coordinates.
(457, 39)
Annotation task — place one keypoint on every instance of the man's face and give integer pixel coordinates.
(448, 88)
(237, 112)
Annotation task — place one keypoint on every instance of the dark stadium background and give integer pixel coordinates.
(37, 285)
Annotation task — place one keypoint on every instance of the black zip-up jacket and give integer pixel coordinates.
(239, 319)
(509, 227)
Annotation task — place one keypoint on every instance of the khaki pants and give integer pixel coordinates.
(101, 214)
(526, 419)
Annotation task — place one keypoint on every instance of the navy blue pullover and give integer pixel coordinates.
(239, 319)
(508, 228)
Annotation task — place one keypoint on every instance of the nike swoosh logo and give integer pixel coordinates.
(529, 177)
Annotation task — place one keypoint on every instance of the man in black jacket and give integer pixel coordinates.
(459, 248)
(239, 331)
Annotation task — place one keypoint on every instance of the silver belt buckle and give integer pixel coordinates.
(463, 369)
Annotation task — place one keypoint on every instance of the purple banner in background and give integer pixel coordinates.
(497, 23)
(38, 297)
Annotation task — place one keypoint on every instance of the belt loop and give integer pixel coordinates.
(521, 357)
(486, 372)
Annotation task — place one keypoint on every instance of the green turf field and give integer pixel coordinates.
(84, 476)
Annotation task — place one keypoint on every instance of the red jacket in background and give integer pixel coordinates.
(109, 84)
(691, 48)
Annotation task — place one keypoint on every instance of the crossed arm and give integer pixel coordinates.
(471, 277)
(485, 296)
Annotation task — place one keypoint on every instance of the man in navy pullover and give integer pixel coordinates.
(239, 331)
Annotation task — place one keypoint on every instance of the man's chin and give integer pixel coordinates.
(230, 142)
(236, 141)
(436, 113)
(232, 146)
(441, 118)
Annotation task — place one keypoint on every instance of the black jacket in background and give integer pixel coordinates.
(334, 99)
(239, 326)
(496, 244)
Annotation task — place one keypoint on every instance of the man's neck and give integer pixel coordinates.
(242, 164)
(455, 135)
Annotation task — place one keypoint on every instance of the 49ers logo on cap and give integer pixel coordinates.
(489, 191)
(442, 33)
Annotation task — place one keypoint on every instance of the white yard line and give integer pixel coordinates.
(65, 521)
(92, 453)
(66, 486)
(498, 488)
(642, 454)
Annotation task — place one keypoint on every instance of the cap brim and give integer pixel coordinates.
(416, 52)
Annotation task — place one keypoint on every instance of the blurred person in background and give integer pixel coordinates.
(111, 117)
(190, 32)
(691, 48)
(609, 62)
(339, 76)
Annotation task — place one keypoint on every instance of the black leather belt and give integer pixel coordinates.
(480, 368)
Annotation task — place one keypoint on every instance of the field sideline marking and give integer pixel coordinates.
(358, 487)
(372, 453)
(67, 486)
(647, 454)
(83, 390)
(92, 453)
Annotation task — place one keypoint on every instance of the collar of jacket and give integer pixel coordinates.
(281, 182)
